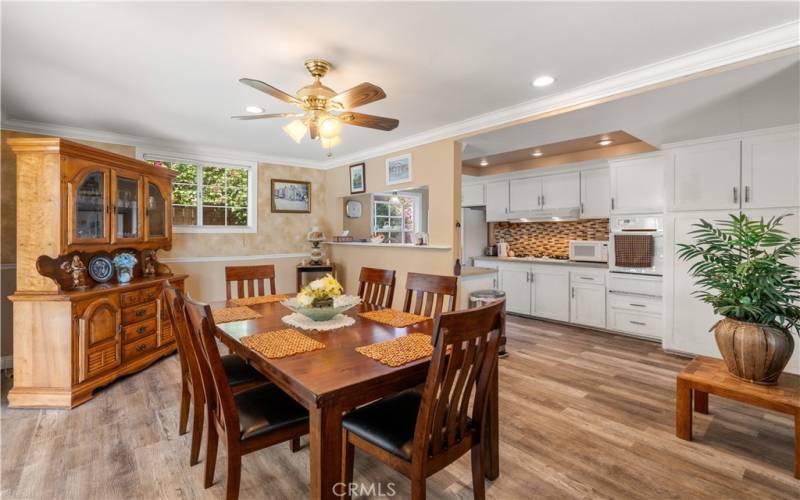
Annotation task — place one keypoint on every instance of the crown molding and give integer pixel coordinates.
(149, 144)
(749, 47)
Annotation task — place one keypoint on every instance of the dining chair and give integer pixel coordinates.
(241, 376)
(376, 286)
(252, 276)
(428, 292)
(247, 421)
(420, 433)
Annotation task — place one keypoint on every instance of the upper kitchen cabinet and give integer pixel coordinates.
(595, 194)
(704, 176)
(473, 195)
(525, 194)
(561, 191)
(637, 184)
(496, 201)
(771, 170)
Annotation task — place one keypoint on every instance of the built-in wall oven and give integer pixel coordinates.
(636, 245)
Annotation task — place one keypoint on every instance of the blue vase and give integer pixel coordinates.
(124, 274)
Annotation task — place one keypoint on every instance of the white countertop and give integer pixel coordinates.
(388, 245)
(469, 271)
(540, 260)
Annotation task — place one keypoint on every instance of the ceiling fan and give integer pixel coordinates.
(323, 110)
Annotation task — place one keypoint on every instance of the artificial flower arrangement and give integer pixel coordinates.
(320, 293)
(124, 263)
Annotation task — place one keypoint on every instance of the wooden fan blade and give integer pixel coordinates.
(359, 95)
(369, 121)
(269, 89)
(270, 115)
(313, 131)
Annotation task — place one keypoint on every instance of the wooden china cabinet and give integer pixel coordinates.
(76, 202)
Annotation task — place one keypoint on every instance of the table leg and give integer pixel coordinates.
(683, 410)
(325, 442)
(491, 459)
(797, 444)
(701, 402)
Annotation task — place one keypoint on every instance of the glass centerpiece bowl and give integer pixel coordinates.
(321, 300)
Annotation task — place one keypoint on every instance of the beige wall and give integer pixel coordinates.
(436, 165)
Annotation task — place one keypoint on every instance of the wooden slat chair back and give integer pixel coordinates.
(428, 293)
(191, 381)
(250, 281)
(376, 286)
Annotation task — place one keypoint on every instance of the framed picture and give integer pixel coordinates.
(398, 169)
(293, 197)
(358, 181)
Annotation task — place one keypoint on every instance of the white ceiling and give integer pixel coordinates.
(762, 95)
(168, 71)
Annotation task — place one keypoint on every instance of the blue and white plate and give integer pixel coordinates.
(101, 269)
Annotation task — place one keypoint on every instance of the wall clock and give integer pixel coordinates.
(353, 209)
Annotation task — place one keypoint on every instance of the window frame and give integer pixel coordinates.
(417, 203)
(205, 161)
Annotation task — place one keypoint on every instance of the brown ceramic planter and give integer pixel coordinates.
(753, 352)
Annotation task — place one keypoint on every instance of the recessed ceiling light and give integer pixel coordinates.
(537, 153)
(484, 163)
(254, 109)
(543, 81)
(605, 141)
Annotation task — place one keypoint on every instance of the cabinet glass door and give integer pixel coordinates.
(90, 207)
(156, 212)
(127, 208)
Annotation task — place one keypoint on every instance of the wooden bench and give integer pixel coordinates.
(704, 376)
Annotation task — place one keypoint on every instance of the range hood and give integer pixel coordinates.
(556, 215)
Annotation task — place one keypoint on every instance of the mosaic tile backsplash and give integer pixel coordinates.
(548, 238)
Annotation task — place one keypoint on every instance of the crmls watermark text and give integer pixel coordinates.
(364, 490)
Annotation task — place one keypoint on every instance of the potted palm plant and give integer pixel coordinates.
(746, 269)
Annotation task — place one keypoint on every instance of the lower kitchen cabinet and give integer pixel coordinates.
(550, 292)
(588, 305)
(515, 282)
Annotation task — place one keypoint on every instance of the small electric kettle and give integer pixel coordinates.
(502, 249)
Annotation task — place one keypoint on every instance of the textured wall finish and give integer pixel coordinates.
(548, 238)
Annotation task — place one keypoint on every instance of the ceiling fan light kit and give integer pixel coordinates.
(320, 105)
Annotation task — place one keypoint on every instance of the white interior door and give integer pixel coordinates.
(771, 170)
(550, 296)
(561, 191)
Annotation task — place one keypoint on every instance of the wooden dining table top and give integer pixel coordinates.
(335, 371)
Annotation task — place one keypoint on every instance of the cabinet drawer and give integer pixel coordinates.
(588, 278)
(138, 313)
(138, 330)
(137, 297)
(643, 285)
(635, 303)
(637, 323)
(139, 347)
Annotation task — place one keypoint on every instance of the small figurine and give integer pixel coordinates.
(149, 263)
(77, 270)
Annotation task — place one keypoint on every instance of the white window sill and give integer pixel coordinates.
(213, 229)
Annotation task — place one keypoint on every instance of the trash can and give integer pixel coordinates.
(484, 297)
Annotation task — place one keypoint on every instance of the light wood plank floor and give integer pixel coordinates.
(583, 415)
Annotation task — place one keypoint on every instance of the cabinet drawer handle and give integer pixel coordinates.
(638, 323)
(638, 305)
(141, 347)
(140, 313)
(141, 329)
(586, 278)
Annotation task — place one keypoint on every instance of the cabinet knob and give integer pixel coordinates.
(140, 312)
(141, 329)
(141, 347)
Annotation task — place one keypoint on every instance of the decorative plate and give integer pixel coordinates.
(101, 269)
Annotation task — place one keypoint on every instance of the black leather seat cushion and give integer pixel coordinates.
(388, 423)
(265, 409)
(238, 371)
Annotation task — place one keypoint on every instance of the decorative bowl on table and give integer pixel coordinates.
(340, 304)
(321, 300)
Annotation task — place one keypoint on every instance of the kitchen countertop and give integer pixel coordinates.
(468, 271)
(539, 260)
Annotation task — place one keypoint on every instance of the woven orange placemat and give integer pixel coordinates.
(399, 351)
(392, 317)
(281, 343)
(262, 299)
(229, 314)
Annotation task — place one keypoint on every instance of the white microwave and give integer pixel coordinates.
(588, 251)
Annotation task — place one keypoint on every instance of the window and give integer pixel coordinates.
(396, 217)
(210, 196)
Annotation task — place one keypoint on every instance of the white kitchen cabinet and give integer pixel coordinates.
(595, 194)
(561, 191)
(550, 295)
(473, 195)
(515, 281)
(525, 194)
(588, 305)
(496, 201)
(637, 184)
(771, 170)
(704, 176)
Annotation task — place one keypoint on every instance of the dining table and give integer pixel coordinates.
(333, 380)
